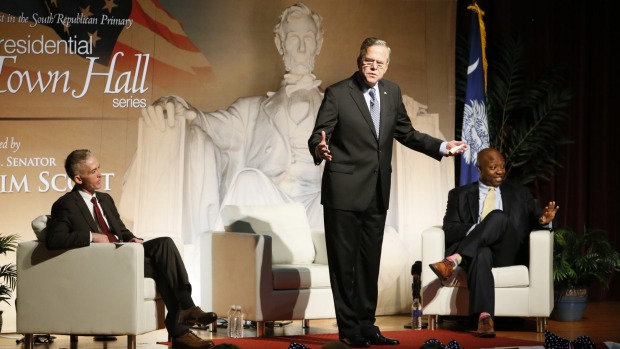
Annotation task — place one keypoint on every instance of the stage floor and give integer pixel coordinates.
(600, 323)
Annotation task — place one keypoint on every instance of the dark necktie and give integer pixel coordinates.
(101, 222)
(374, 110)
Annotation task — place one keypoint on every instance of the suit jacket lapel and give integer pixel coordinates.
(473, 201)
(105, 207)
(383, 104)
(88, 216)
(358, 97)
(507, 197)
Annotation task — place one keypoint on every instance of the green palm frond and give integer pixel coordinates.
(8, 277)
(8, 243)
(580, 259)
(506, 83)
(8, 272)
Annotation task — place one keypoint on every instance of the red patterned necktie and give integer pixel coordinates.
(101, 222)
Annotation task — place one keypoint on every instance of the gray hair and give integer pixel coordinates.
(74, 159)
(372, 42)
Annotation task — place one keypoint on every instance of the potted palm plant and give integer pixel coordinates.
(579, 260)
(8, 274)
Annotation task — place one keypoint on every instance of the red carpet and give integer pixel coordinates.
(408, 339)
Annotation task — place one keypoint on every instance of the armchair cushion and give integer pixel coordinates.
(293, 277)
(286, 224)
(320, 248)
(511, 276)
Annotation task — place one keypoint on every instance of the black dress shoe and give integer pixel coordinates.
(356, 341)
(379, 339)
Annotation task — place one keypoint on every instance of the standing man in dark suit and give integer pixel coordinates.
(487, 225)
(76, 222)
(356, 183)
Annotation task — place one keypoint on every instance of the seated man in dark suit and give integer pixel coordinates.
(85, 215)
(487, 224)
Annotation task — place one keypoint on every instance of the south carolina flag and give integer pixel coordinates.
(475, 130)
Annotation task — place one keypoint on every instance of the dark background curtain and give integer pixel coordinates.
(580, 35)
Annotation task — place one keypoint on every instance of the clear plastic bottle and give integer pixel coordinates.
(231, 330)
(239, 322)
(416, 306)
(416, 314)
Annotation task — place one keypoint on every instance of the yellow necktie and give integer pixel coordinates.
(489, 203)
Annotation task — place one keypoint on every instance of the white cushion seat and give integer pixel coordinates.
(511, 276)
(300, 276)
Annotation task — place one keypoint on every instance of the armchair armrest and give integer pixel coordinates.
(541, 272)
(320, 248)
(103, 283)
(433, 250)
(240, 271)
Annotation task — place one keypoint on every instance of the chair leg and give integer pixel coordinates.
(28, 340)
(305, 323)
(131, 341)
(260, 328)
(541, 324)
(432, 322)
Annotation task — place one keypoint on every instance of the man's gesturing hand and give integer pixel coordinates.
(548, 213)
(322, 149)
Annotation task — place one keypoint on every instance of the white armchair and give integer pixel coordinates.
(519, 290)
(270, 263)
(95, 290)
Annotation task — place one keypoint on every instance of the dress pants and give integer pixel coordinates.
(163, 262)
(491, 244)
(354, 241)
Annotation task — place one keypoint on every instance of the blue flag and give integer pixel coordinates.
(475, 131)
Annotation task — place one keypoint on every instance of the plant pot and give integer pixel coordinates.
(570, 305)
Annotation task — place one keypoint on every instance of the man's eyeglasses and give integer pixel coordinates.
(368, 62)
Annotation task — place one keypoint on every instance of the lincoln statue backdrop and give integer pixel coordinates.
(84, 74)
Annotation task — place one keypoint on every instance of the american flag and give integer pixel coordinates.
(128, 27)
(475, 130)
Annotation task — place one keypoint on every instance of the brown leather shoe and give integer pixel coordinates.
(195, 316)
(442, 269)
(191, 341)
(485, 328)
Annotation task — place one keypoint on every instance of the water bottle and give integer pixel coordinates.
(239, 322)
(416, 306)
(416, 314)
(231, 321)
